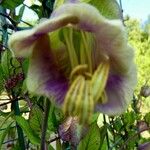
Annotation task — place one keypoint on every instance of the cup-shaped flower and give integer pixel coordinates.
(79, 58)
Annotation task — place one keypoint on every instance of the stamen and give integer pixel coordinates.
(68, 36)
(87, 48)
(103, 98)
(99, 80)
(78, 70)
(77, 102)
(86, 106)
(74, 90)
(82, 54)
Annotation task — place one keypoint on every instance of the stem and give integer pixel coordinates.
(112, 128)
(121, 11)
(9, 18)
(54, 139)
(10, 101)
(107, 137)
(15, 107)
(44, 126)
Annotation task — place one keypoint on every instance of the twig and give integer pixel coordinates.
(9, 18)
(4, 46)
(54, 139)
(10, 102)
(121, 12)
(27, 23)
(14, 23)
(1, 99)
(16, 109)
(44, 125)
(27, 99)
(107, 137)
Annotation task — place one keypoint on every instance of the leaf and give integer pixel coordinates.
(21, 11)
(94, 138)
(35, 119)
(6, 117)
(3, 134)
(37, 9)
(55, 117)
(24, 124)
(108, 8)
(9, 64)
(129, 118)
(1, 80)
(11, 4)
(5, 62)
(147, 118)
(58, 145)
(50, 147)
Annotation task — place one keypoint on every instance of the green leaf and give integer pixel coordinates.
(147, 118)
(21, 11)
(108, 8)
(50, 147)
(6, 117)
(5, 62)
(37, 9)
(129, 118)
(1, 80)
(94, 138)
(9, 64)
(58, 145)
(3, 134)
(55, 117)
(11, 4)
(24, 124)
(35, 119)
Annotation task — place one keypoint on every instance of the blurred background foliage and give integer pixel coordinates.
(21, 113)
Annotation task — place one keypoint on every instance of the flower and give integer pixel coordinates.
(145, 146)
(79, 58)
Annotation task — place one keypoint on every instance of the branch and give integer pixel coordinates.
(27, 23)
(9, 18)
(10, 101)
(4, 46)
(44, 125)
(54, 139)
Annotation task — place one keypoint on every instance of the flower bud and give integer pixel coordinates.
(145, 91)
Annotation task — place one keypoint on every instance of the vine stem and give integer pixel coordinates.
(15, 107)
(107, 137)
(44, 125)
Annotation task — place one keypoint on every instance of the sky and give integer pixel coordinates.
(139, 9)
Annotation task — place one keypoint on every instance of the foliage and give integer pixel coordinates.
(27, 110)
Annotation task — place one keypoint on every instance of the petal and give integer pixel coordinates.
(145, 146)
(44, 76)
(110, 37)
(119, 91)
(22, 42)
(82, 11)
(99, 80)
